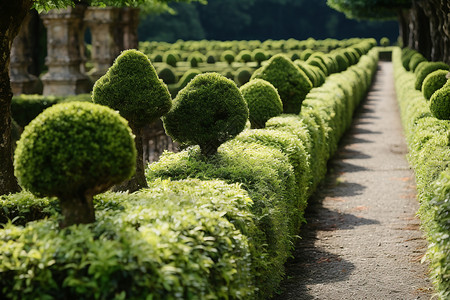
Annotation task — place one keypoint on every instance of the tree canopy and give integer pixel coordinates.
(369, 9)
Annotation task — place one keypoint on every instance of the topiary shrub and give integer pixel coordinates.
(244, 56)
(317, 62)
(341, 61)
(167, 74)
(384, 42)
(211, 59)
(426, 69)
(207, 112)
(228, 56)
(74, 151)
(434, 81)
(157, 57)
(305, 54)
(440, 103)
(292, 83)
(171, 58)
(259, 56)
(415, 60)
(187, 76)
(132, 87)
(305, 67)
(263, 102)
(243, 75)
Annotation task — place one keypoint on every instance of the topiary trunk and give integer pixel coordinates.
(78, 209)
(138, 180)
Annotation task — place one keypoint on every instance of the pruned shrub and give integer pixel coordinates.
(243, 75)
(317, 62)
(263, 101)
(384, 42)
(187, 76)
(171, 58)
(415, 60)
(74, 151)
(244, 56)
(259, 56)
(132, 87)
(305, 54)
(307, 69)
(207, 112)
(291, 83)
(440, 103)
(228, 56)
(428, 68)
(434, 81)
(167, 74)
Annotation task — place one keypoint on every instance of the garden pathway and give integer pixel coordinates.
(362, 239)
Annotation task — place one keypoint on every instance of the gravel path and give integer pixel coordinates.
(362, 239)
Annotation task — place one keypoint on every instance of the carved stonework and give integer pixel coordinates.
(103, 23)
(22, 82)
(65, 52)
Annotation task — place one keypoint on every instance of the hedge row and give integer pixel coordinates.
(429, 155)
(279, 166)
(196, 238)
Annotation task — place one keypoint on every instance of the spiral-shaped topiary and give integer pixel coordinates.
(263, 101)
(440, 102)
(207, 112)
(426, 69)
(433, 82)
(74, 151)
(132, 87)
(291, 83)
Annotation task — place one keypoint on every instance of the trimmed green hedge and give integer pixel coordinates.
(429, 155)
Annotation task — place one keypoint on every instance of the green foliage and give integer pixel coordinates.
(434, 81)
(266, 174)
(194, 248)
(259, 56)
(429, 156)
(244, 56)
(171, 58)
(440, 103)
(426, 69)
(187, 77)
(243, 75)
(167, 75)
(291, 83)
(306, 54)
(207, 112)
(228, 56)
(74, 148)
(415, 60)
(308, 70)
(376, 9)
(263, 101)
(385, 42)
(132, 87)
(317, 62)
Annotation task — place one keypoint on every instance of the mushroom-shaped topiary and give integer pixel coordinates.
(132, 87)
(74, 151)
(433, 82)
(259, 56)
(207, 112)
(263, 101)
(440, 103)
(244, 56)
(291, 83)
(228, 56)
(427, 68)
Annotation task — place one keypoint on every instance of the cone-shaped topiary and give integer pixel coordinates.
(74, 151)
(132, 87)
(291, 83)
(440, 103)
(263, 101)
(426, 69)
(433, 82)
(207, 112)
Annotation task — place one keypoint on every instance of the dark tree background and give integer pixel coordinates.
(259, 20)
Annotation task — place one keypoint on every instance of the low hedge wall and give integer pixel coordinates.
(429, 156)
(218, 227)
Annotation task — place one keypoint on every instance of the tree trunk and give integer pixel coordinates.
(78, 209)
(403, 24)
(12, 13)
(431, 11)
(138, 181)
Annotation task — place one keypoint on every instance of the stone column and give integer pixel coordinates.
(103, 22)
(22, 82)
(128, 30)
(65, 50)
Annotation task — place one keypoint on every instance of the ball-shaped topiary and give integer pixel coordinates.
(427, 69)
(263, 101)
(210, 59)
(207, 112)
(384, 42)
(132, 87)
(228, 56)
(291, 83)
(171, 58)
(74, 151)
(433, 82)
(187, 76)
(415, 60)
(259, 56)
(167, 74)
(243, 75)
(440, 103)
(244, 56)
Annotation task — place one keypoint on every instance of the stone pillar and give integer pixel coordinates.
(103, 22)
(22, 82)
(128, 30)
(65, 51)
